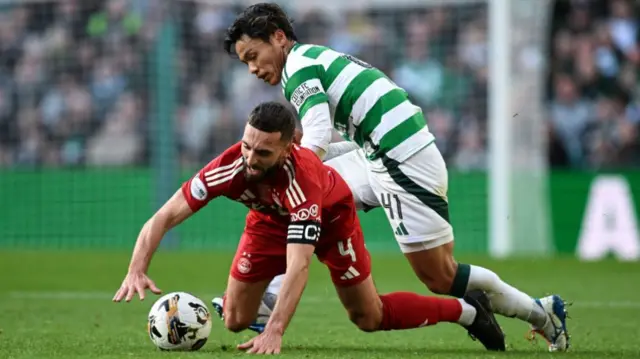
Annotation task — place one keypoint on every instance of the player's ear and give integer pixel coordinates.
(279, 38)
(297, 137)
(288, 148)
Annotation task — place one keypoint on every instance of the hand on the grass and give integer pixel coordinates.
(268, 342)
(132, 283)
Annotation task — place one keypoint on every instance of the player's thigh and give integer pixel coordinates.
(241, 302)
(349, 264)
(352, 168)
(347, 260)
(255, 264)
(362, 303)
(414, 197)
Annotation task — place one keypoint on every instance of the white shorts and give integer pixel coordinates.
(413, 194)
(352, 167)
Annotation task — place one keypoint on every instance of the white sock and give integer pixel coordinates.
(505, 299)
(275, 285)
(468, 313)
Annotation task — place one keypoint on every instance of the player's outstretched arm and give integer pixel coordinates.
(338, 149)
(298, 261)
(172, 213)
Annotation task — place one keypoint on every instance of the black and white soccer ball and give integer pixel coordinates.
(179, 321)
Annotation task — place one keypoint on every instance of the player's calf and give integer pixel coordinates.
(403, 310)
(437, 268)
(362, 303)
(365, 321)
(367, 318)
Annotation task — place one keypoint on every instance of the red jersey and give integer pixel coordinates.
(298, 202)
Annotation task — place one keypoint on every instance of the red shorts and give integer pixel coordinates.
(262, 257)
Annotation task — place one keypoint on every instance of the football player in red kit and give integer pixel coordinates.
(298, 207)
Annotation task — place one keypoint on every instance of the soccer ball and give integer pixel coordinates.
(179, 321)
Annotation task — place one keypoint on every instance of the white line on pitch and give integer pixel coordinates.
(89, 295)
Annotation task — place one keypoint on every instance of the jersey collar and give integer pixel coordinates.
(295, 46)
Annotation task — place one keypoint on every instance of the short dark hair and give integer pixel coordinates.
(259, 21)
(273, 117)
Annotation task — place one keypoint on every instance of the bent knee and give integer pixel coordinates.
(364, 321)
(235, 322)
(438, 284)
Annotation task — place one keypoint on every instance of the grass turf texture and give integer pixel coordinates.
(58, 305)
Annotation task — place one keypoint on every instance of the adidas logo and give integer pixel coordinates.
(401, 230)
(350, 274)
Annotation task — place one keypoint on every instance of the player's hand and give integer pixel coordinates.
(269, 342)
(135, 283)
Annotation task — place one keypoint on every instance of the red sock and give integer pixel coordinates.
(404, 310)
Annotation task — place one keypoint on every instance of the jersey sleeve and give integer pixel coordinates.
(302, 85)
(213, 180)
(317, 128)
(303, 199)
(303, 88)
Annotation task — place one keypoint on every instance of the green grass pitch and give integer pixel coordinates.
(58, 305)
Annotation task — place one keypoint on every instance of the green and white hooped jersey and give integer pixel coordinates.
(366, 106)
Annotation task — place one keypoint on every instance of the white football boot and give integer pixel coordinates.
(555, 330)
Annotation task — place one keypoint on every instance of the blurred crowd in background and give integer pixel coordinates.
(77, 79)
(594, 88)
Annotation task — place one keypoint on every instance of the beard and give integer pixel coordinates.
(256, 174)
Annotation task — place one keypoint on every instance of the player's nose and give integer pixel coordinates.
(253, 69)
(251, 159)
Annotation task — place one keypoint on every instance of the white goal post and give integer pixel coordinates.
(519, 205)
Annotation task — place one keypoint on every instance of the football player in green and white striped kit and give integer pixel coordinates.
(389, 160)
